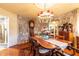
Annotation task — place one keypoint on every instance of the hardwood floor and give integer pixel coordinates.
(9, 52)
(71, 52)
(24, 50)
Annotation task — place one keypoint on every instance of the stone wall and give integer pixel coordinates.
(23, 31)
(70, 17)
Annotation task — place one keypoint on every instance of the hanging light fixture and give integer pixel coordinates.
(46, 16)
(45, 13)
(44, 5)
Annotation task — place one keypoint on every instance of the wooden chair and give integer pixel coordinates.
(58, 52)
(44, 51)
(60, 37)
(39, 50)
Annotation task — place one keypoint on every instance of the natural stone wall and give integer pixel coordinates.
(70, 17)
(23, 29)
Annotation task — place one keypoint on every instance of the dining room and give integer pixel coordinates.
(39, 29)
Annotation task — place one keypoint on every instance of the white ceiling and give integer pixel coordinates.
(30, 9)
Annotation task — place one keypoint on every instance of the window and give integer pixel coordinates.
(4, 28)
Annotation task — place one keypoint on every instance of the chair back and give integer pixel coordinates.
(71, 36)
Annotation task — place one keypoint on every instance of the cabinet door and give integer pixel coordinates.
(78, 42)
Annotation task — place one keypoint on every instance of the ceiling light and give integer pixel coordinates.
(45, 14)
(44, 5)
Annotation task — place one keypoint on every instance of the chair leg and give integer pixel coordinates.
(50, 53)
(36, 53)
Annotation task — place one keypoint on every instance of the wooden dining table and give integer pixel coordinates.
(47, 44)
(43, 43)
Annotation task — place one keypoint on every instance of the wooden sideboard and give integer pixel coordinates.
(77, 42)
(65, 34)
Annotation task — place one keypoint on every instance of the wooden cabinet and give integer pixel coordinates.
(66, 30)
(65, 34)
(77, 42)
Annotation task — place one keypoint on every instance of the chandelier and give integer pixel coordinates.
(45, 13)
(44, 5)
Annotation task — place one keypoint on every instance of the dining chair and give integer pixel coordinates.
(58, 52)
(44, 51)
(39, 50)
(59, 37)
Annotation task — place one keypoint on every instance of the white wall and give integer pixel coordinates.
(13, 26)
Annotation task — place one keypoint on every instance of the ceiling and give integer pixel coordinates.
(30, 9)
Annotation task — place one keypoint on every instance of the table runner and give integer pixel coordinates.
(58, 43)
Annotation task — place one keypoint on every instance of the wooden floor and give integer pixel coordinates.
(24, 50)
(71, 52)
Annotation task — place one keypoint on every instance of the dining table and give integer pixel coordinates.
(51, 43)
(43, 43)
